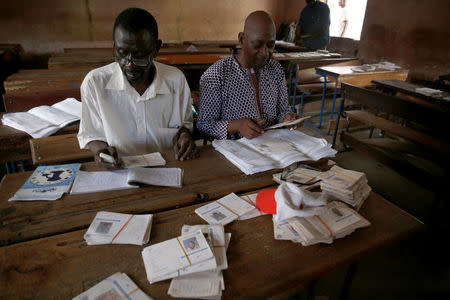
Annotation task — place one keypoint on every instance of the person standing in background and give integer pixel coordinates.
(313, 25)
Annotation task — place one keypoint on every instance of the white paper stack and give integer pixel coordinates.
(116, 286)
(345, 185)
(224, 210)
(206, 284)
(45, 120)
(274, 149)
(303, 176)
(251, 199)
(117, 228)
(185, 254)
(337, 221)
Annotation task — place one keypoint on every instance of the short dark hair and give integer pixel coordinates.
(136, 19)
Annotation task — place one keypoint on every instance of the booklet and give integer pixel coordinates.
(172, 255)
(92, 182)
(288, 123)
(273, 149)
(117, 228)
(116, 286)
(47, 183)
(225, 210)
(146, 160)
(43, 121)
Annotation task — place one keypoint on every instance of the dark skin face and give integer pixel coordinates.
(140, 45)
(258, 44)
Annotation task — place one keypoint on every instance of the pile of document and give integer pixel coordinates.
(117, 228)
(206, 284)
(302, 175)
(381, 66)
(274, 149)
(225, 210)
(116, 286)
(337, 221)
(346, 185)
(306, 55)
(47, 183)
(45, 120)
(429, 92)
(91, 182)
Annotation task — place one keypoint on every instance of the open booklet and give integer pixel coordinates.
(288, 123)
(274, 149)
(43, 121)
(47, 183)
(91, 182)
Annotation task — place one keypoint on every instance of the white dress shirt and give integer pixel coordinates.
(114, 112)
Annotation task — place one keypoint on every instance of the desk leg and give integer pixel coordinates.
(312, 286)
(323, 101)
(348, 281)
(334, 99)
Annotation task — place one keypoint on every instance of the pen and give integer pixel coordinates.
(107, 158)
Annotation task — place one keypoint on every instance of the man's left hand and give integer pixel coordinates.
(184, 147)
(292, 116)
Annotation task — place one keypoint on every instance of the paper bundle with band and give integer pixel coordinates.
(207, 284)
(302, 175)
(346, 185)
(225, 210)
(116, 286)
(117, 228)
(166, 259)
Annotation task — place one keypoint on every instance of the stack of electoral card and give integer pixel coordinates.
(181, 255)
(47, 183)
(116, 286)
(346, 185)
(225, 210)
(336, 222)
(117, 228)
(302, 175)
(207, 284)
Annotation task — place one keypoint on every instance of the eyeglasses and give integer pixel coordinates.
(138, 62)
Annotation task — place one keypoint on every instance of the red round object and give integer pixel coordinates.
(265, 201)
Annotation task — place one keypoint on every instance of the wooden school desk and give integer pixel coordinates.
(360, 79)
(63, 265)
(210, 176)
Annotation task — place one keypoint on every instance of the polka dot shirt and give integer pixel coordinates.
(227, 93)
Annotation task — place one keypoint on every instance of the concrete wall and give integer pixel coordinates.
(412, 33)
(50, 25)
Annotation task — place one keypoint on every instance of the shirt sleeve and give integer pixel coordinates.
(210, 120)
(91, 125)
(283, 99)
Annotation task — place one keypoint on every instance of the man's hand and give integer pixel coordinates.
(184, 146)
(98, 147)
(291, 116)
(247, 127)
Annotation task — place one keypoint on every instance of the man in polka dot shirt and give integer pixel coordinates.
(242, 94)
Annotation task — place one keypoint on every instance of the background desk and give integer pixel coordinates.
(208, 177)
(62, 266)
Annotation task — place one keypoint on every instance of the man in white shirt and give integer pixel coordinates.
(135, 105)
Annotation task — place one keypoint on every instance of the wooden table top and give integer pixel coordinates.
(208, 177)
(62, 266)
(410, 89)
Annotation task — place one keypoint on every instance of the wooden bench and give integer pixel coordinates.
(58, 149)
(413, 139)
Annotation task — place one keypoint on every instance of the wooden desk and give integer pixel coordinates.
(209, 177)
(62, 266)
(363, 79)
(15, 145)
(410, 89)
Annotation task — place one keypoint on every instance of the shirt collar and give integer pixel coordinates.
(119, 82)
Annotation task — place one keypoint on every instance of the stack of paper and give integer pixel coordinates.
(274, 149)
(45, 120)
(255, 212)
(303, 176)
(91, 182)
(185, 254)
(117, 228)
(47, 183)
(116, 286)
(225, 210)
(207, 284)
(336, 222)
(146, 160)
(345, 185)
(429, 92)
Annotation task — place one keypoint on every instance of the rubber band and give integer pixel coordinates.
(227, 208)
(185, 254)
(325, 225)
(122, 228)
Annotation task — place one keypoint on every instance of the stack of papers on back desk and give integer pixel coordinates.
(346, 185)
(116, 286)
(336, 222)
(274, 149)
(117, 228)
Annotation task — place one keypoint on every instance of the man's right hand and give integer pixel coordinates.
(247, 127)
(98, 147)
